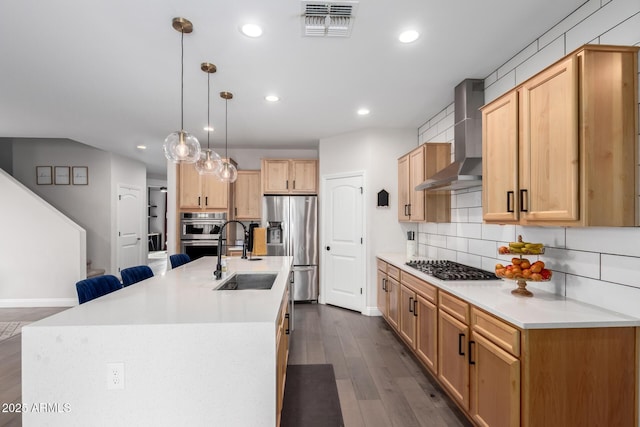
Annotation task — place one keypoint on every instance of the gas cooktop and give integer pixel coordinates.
(449, 270)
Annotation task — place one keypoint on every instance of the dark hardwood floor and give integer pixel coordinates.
(379, 382)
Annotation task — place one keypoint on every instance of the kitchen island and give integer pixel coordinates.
(509, 360)
(169, 350)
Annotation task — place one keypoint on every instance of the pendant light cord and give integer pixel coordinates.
(208, 108)
(182, 80)
(226, 129)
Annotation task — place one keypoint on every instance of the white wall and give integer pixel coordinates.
(87, 205)
(42, 251)
(596, 265)
(376, 152)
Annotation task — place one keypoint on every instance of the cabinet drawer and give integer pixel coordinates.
(393, 271)
(455, 307)
(503, 335)
(421, 287)
(381, 265)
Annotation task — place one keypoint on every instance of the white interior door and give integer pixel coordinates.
(343, 269)
(130, 227)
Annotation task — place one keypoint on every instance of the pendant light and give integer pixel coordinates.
(209, 162)
(228, 172)
(181, 146)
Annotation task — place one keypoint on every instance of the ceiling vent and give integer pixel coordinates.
(328, 19)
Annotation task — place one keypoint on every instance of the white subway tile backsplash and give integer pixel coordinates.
(458, 244)
(472, 231)
(446, 123)
(621, 269)
(619, 298)
(485, 248)
(518, 59)
(475, 215)
(550, 236)
(608, 240)
(580, 14)
(608, 16)
(431, 227)
(448, 229)
(500, 233)
(556, 286)
(446, 254)
(460, 215)
(437, 240)
(432, 252)
(545, 57)
(450, 109)
(469, 259)
(469, 200)
(429, 134)
(626, 33)
(500, 87)
(490, 79)
(574, 262)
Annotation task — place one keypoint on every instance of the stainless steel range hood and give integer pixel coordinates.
(466, 169)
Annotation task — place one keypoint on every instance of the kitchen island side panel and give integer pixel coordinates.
(176, 374)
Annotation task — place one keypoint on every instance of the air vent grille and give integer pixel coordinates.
(328, 19)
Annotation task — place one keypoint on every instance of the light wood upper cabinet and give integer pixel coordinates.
(289, 176)
(561, 149)
(413, 169)
(201, 192)
(248, 195)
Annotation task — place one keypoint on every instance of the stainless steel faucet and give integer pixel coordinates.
(218, 273)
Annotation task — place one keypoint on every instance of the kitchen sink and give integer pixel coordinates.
(242, 281)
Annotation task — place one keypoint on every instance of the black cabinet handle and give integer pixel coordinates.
(410, 304)
(198, 200)
(384, 284)
(460, 350)
(471, 361)
(415, 307)
(409, 209)
(206, 200)
(509, 201)
(286, 316)
(287, 185)
(294, 184)
(523, 195)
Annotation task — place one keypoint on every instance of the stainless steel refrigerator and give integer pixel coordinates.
(292, 229)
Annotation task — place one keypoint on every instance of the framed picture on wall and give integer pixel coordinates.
(61, 175)
(80, 175)
(44, 175)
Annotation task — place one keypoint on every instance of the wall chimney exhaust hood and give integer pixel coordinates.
(466, 169)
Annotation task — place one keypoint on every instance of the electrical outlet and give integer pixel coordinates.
(115, 376)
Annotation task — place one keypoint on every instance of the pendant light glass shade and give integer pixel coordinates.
(228, 171)
(209, 162)
(181, 146)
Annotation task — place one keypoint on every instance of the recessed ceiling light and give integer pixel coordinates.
(363, 111)
(408, 36)
(251, 30)
(272, 98)
(208, 128)
(141, 147)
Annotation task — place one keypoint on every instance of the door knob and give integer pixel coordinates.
(328, 248)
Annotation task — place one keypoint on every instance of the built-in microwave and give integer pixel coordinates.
(201, 225)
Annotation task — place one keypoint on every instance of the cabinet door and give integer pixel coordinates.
(407, 318)
(453, 367)
(416, 176)
(500, 159)
(215, 193)
(549, 145)
(427, 333)
(248, 198)
(382, 293)
(403, 188)
(304, 176)
(275, 176)
(190, 187)
(495, 381)
(393, 290)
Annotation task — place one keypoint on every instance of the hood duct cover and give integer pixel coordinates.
(466, 170)
(328, 19)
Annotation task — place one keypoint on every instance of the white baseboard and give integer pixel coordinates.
(371, 311)
(38, 302)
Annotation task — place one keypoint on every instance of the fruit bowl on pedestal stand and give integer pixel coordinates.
(522, 270)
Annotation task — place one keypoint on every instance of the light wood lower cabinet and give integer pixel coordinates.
(393, 304)
(504, 376)
(282, 351)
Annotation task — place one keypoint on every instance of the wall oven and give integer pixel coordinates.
(199, 233)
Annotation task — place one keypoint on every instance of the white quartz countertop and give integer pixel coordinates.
(185, 295)
(545, 310)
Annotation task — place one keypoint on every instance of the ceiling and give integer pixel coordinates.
(107, 73)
